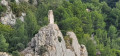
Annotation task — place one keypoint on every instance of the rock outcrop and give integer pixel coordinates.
(9, 18)
(51, 17)
(49, 41)
(4, 54)
(18, 1)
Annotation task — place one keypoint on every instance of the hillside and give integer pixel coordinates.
(95, 25)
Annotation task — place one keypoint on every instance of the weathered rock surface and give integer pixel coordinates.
(4, 54)
(50, 17)
(9, 18)
(18, 1)
(49, 41)
(48, 37)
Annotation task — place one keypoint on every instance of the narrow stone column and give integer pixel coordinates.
(50, 17)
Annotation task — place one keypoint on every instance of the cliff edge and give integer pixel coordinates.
(49, 41)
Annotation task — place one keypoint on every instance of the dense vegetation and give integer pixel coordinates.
(98, 28)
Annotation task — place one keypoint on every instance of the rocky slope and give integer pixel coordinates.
(46, 43)
(49, 41)
(9, 18)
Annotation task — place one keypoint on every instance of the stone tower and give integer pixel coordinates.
(50, 17)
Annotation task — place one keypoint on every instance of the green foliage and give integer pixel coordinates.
(112, 32)
(5, 29)
(98, 20)
(68, 42)
(16, 9)
(3, 44)
(19, 27)
(15, 53)
(2, 9)
(91, 48)
(41, 14)
(108, 52)
(12, 0)
(42, 50)
(101, 23)
(20, 46)
(102, 36)
(31, 1)
(70, 23)
(31, 23)
(105, 8)
(59, 39)
(117, 52)
(118, 5)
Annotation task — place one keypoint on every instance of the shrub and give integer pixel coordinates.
(15, 53)
(68, 42)
(20, 46)
(2, 9)
(17, 10)
(12, 0)
(3, 44)
(59, 39)
(42, 50)
(67, 38)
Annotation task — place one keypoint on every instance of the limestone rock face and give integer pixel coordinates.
(35, 2)
(9, 18)
(51, 17)
(47, 43)
(4, 2)
(4, 54)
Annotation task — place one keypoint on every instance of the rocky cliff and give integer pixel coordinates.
(9, 18)
(49, 41)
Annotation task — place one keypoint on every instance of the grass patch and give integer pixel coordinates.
(68, 42)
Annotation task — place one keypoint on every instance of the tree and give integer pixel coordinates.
(98, 20)
(31, 23)
(41, 14)
(19, 28)
(3, 44)
(70, 24)
(112, 32)
(118, 4)
(107, 51)
(102, 36)
(2, 9)
(91, 48)
(105, 8)
(5, 29)
(114, 17)
(15, 53)
(20, 46)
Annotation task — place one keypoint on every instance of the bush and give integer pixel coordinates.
(15, 53)
(20, 46)
(12, 0)
(68, 42)
(2, 9)
(3, 44)
(42, 50)
(17, 10)
(59, 39)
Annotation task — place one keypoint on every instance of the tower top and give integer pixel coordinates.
(50, 17)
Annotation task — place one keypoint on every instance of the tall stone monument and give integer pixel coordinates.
(50, 17)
